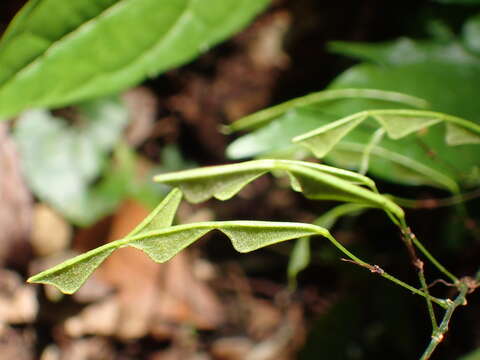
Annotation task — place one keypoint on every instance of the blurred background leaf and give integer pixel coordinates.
(62, 158)
(110, 44)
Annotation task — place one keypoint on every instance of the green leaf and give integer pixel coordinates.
(397, 123)
(314, 180)
(110, 44)
(406, 51)
(393, 161)
(72, 157)
(262, 117)
(427, 80)
(70, 275)
(323, 139)
(425, 69)
(457, 135)
(398, 126)
(164, 243)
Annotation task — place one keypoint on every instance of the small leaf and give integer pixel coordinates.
(323, 139)
(401, 126)
(248, 236)
(111, 44)
(457, 135)
(70, 275)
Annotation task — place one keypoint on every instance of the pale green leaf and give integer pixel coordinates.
(315, 181)
(162, 244)
(401, 126)
(394, 163)
(323, 139)
(62, 159)
(57, 52)
(220, 182)
(249, 236)
(70, 275)
(457, 135)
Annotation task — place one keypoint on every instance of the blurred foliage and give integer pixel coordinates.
(110, 44)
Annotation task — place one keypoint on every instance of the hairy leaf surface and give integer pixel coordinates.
(164, 242)
(313, 180)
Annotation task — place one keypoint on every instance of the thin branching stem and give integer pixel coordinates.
(409, 236)
(439, 334)
(376, 269)
(431, 312)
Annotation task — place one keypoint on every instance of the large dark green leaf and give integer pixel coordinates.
(56, 52)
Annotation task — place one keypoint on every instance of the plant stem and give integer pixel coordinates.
(439, 334)
(376, 269)
(410, 236)
(431, 312)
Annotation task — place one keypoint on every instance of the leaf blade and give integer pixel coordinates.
(161, 245)
(113, 45)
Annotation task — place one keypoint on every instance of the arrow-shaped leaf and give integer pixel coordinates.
(324, 139)
(397, 123)
(401, 126)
